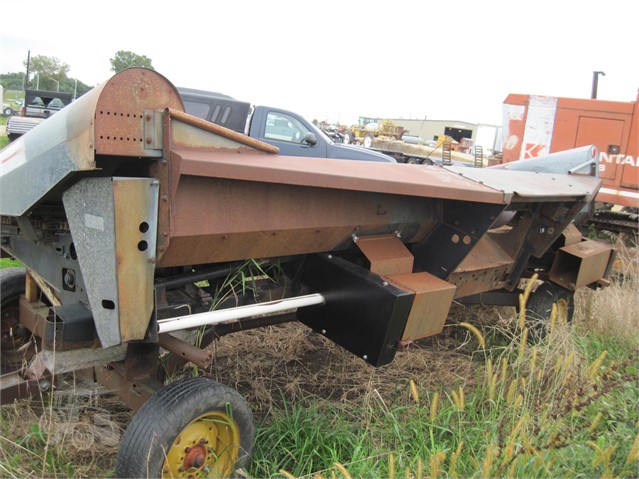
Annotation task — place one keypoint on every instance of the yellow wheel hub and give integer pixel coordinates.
(207, 447)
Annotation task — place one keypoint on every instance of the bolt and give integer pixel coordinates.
(385, 283)
(355, 238)
(398, 233)
(206, 469)
(330, 256)
(187, 449)
(542, 230)
(147, 117)
(203, 441)
(323, 331)
(365, 357)
(148, 140)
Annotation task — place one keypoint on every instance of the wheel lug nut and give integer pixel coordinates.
(187, 449)
(203, 441)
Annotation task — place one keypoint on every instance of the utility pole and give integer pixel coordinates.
(25, 85)
(595, 83)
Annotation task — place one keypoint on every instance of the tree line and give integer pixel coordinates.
(49, 73)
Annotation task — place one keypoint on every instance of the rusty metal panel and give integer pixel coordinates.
(387, 254)
(135, 205)
(391, 178)
(580, 264)
(484, 269)
(571, 235)
(108, 120)
(214, 220)
(433, 298)
(120, 118)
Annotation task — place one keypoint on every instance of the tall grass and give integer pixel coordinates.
(565, 407)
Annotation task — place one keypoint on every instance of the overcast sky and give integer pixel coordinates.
(337, 60)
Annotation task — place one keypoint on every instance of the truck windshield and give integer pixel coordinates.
(283, 127)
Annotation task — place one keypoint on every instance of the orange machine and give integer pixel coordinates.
(537, 125)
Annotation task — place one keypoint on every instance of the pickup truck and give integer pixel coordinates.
(290, 132)
(38, 106)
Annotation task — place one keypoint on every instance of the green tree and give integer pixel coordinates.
(46, 73)
(12, 81)
(125, 59)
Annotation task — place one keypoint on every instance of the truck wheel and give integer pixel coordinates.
(368, 140)
(539, 307)
(193, 427)
(18, 345)
(8, 111)
(347, 139)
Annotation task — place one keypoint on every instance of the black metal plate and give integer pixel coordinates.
(363, 313)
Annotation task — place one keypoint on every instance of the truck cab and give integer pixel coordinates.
(289, 131)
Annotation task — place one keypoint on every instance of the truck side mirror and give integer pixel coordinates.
(310, 139)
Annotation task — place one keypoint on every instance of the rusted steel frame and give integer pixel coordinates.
(136, 378)
(222, 131)
(182, 349)
(134, 392)
(13, 386)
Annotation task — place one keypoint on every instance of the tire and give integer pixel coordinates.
(181, 414)
(18, 345)
(368, 140)
(8, 111)
(348, 138)
(539, 308)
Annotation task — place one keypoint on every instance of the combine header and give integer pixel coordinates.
(129, 216)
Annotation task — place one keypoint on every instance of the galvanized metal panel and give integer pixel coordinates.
(113, 222)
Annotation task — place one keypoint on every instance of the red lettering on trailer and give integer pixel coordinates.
(533, 150)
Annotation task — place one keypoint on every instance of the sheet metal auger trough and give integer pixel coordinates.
(129, 215)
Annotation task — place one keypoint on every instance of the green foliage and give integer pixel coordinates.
(47, 66)
(12, 81)
(45, 73)
(126, 59)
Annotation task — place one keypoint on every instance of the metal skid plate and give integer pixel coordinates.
(113, 222)
(363, 313)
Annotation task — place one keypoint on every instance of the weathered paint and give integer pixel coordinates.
(535, 125)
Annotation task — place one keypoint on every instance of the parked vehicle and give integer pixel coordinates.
(289, 131)
(368, 129)
(38, 106)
